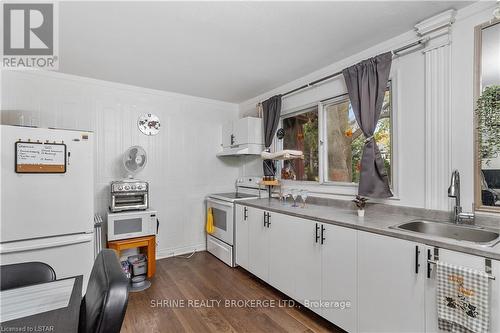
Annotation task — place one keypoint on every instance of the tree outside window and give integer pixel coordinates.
(343, 142)
(301, 133)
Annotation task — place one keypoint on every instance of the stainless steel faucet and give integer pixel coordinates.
(454, 192)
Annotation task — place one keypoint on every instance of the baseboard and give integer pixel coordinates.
(175, 251)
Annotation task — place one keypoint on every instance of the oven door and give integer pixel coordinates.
(129, 201)
(223, 213)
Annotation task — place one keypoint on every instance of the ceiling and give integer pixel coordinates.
(230, 51)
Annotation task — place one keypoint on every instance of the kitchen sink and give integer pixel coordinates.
(468, 233)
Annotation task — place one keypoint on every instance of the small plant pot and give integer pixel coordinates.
(361, 212)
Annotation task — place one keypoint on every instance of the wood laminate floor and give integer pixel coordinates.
(169, 305)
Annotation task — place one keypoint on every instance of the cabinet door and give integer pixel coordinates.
(282, 253)
(339, 272)
(258, 241)
(390, 291)
(495, 297)
(465, 260)
(255, 133)
(240, 131)
(307, 251)
(227, 132)
(241, 241)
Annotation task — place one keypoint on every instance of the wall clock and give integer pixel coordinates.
(149, 124)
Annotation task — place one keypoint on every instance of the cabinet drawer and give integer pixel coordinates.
(220, 249)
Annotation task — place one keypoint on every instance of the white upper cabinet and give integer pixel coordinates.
(227, 135)
(242, 137)
(391, 284)
(248, 131)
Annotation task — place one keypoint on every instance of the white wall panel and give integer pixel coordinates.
(182, 164)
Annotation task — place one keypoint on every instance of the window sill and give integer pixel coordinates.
(330, 189)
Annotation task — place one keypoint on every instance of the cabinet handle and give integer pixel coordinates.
(232, 139)
(268, 219)
(265, 222)
(417, 253)
(317, 233)
(245, 213)
(429, 268)
(322, 234)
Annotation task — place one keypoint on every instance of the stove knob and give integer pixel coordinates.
(127, 187)
(139, 187)
(133, 187)
(120, 188)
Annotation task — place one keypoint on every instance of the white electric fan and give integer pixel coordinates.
(134, 160)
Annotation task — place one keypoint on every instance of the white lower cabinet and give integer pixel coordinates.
(466, 260)
(313, 263)
(339, 276)
(241, 235)
(258, 239)
(307, 254)
(282, 231)
(360, 281)
(391, 277)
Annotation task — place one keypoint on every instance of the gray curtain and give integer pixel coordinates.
(366, 83)
(272, 111)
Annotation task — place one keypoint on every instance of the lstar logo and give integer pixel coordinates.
(28, 35)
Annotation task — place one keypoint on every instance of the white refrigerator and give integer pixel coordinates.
(47, 203)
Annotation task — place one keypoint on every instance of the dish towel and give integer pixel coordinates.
(463, 299)
(210, 221)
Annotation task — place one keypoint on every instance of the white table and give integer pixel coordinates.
(53, 304)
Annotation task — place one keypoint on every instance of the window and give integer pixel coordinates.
(301, 133)
(339, 155)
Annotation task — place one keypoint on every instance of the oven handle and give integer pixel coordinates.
(220, 202)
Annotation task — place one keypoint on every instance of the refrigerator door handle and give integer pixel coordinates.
(38, 244)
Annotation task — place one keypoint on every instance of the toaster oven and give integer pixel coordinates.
(129, 195)
(124, 225)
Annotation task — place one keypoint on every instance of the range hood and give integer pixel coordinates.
(244, 149)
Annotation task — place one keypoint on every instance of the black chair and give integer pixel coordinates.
(26, 273)
(105, 302)
(490, 182)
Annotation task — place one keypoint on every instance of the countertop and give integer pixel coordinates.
(378, 220)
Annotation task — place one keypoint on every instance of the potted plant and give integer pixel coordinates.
(360, 203)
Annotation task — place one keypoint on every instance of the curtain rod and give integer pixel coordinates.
(394, 52)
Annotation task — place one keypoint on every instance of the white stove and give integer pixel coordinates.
(221, 242)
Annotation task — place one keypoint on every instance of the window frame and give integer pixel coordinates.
(324, 186)
(293, 113)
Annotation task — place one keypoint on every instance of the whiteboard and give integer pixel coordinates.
(38, 157)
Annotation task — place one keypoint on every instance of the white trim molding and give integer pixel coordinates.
(437, 107)
(437, 30)
(177, 251)
(437, 25)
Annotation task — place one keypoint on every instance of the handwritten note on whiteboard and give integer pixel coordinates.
(36, 157)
